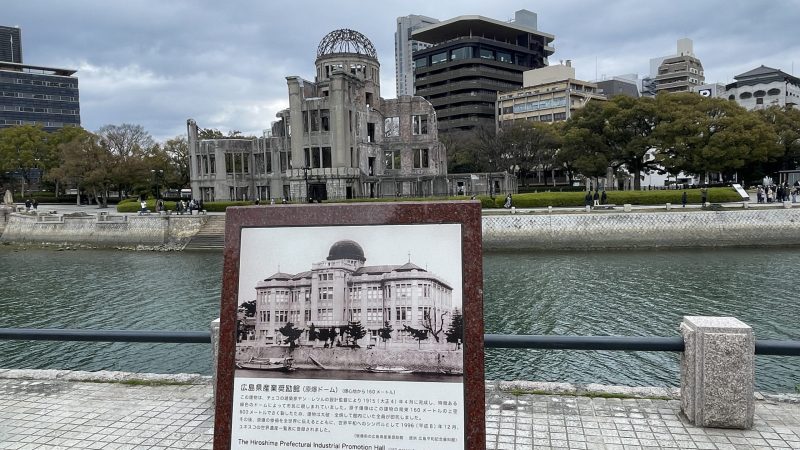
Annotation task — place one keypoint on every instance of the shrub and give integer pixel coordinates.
(545, 199)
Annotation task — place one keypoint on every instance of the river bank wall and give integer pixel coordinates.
(501, 232)
(642, 229)
(102, 230)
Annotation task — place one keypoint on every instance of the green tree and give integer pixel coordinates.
(699, 135)
(455, 333)
(585, 149)
(23, 148)
(313, 335)
(54, 141)
(134, 153)
(176, 151)
(291, 333)
(86, 163)
(786, 123)
(628, 133)
(385, 332)
(530, 146)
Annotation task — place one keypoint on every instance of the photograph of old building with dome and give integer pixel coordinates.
(344, 312)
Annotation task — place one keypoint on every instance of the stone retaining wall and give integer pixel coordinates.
(643, 229)
(102, 230)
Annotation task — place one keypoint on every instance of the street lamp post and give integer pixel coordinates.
(157, 174)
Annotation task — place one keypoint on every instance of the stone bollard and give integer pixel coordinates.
(214, 354)
(513, 210)
(549, 210)
(787, 205)
(717, 372)
(745, 205)
(669, 206)
(627, 207)
(588, 208)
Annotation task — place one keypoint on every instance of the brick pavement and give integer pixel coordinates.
(62, 410)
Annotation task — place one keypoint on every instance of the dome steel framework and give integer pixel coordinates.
(346, 41)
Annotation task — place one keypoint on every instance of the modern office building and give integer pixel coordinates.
(404, 47)
(338, 139)
(763, 87)
(342, 289)
(549, 94)
(681, 72)
(619, 85)
(10, 44)
(32, 94)
(471, 59)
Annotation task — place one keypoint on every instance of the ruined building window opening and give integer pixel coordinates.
(391, 126)
(368, 98)
(391, 159)
(370, 132)
(421, 160)
(420, 124)
(325, 117)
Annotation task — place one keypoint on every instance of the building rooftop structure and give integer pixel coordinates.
(34, 94)
(764, 86)
(10, 44)
(680, 72)
(471, 59)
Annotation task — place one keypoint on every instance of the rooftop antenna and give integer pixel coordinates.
(409, 257)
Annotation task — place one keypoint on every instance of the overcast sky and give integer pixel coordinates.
(157, 63)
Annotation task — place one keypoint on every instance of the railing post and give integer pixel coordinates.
(717, 372)
(214, 355)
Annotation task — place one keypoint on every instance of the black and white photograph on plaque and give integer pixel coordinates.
(378, 302)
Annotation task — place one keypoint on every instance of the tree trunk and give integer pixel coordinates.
(637, 180)
(78, 194)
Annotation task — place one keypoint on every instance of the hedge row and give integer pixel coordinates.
(545, 199)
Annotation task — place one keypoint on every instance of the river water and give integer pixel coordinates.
(627, 293)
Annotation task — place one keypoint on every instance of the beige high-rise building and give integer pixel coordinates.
(681, 72)
(549, 94)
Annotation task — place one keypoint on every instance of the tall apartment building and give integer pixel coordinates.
(10, 44)
(550, 94)
(471, 59)
(681, 72)
(763, 87)
(404, 47)
(34, 95)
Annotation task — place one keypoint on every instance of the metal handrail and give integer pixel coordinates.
(614, 343)
(49, 334)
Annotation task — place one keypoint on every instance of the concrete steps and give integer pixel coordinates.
(210, 237)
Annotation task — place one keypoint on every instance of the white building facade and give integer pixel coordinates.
(342, 289)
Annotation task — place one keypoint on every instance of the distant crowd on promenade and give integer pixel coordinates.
(778, 193)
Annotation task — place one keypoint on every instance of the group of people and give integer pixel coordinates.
(596, 199)
(779, 193)
(181, 206)
(31, 205)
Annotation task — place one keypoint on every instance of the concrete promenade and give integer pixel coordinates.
(48, 409)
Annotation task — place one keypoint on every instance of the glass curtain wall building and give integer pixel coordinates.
(471, 59)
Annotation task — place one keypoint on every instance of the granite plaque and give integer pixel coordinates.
(351, 327)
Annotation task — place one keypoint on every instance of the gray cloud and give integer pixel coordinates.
(158, 63)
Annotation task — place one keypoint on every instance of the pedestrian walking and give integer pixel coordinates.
(703, 196)
(508, 203)
(596, 198)
(587, 200)
(27, 205)
(35, 204)
(603, 198)
(684, 198)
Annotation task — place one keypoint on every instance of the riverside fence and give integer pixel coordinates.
(717, 363)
